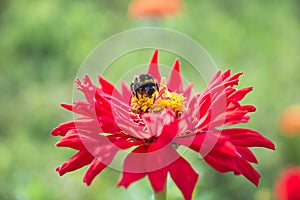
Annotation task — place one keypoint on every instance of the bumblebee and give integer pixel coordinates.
(144, 84)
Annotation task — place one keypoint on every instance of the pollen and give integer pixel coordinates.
(172, 100)
(142, 103)
(158, 102)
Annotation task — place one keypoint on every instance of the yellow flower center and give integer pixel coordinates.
(158, 102)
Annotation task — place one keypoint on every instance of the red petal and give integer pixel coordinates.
(234, 77)
(246, 154)
(108, 88)
(71, 140)
(88, 125)
(134, 167)
(225, 157)
(135, 162)
(249, 108)
(226, 74)
(157, 162)
(184, 176)
(153, 66)
(126, 93)
(193, 143)
(104, 154)
(81, 107)
(129, 178)
(63, 128)
(239, 94)
(158, 179)
(87, 87)
(221, 163)
(162, 125)
(215, 80)
(67, 106)
(233, 80)
(124, 142)
(94, 169)
(224, 163)
(247, 138)
(169, 131)
(79, 160)
(188, 91)
(248, 171)
(175, 81)
(129, 127)
(231, 117)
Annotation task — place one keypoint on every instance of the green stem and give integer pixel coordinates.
(161, 195)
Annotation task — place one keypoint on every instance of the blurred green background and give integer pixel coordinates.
(43, 43)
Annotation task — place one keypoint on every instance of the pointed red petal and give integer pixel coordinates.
(79, 160)
(153, 66)
(158, 161)
(87, 87)
(175, 81)
(232, 80)
(187, 92)
(247, 138)
(216, 79)
(71, 140)
(169, 130)
(248, 171)
(246, 154)
(239, 94)
(134, 163)
(226, 74)
(63, 128)
(67, 106)
(158, 179)
(184, 176)
(126, 93)
(108, 87)
(123, 141)
(129, 178)
(94, 169)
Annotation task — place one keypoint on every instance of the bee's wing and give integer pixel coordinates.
(132, 88)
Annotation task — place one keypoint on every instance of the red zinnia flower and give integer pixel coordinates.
(287, 186)
(154, 8)
(154, 119)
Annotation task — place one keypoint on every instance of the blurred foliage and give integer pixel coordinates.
(43, 43)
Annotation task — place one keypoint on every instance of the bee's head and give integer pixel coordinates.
(144, 84)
